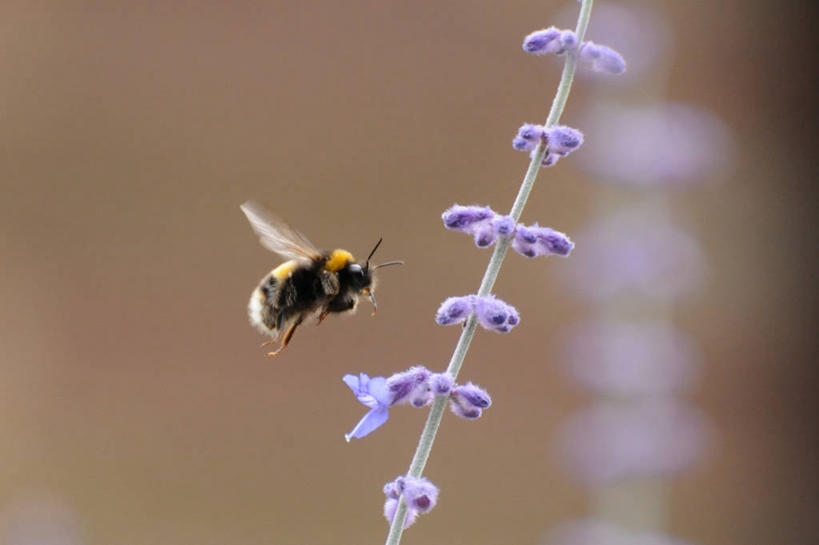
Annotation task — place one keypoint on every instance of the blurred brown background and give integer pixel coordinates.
(134, 396)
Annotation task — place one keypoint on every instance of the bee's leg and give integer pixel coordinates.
(287, 337)
(324, 312)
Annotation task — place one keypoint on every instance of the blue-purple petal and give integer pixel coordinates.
(371, 421)
(380, 391)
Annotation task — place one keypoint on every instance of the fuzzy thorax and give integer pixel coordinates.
(338, 260)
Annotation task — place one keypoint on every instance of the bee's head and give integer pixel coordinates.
(365, 274)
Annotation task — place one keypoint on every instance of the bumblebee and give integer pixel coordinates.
(309, 284)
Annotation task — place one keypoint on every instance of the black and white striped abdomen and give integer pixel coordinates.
(260, 308)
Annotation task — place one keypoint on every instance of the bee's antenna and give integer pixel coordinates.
(388, 263)
(377, 244)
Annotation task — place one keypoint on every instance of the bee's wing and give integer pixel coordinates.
(277, 236)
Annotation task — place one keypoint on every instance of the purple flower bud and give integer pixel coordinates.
(550, 40)
(374, 394)
(526, 234)
(485, 236)
(548, 160)
(539, 42)
(550, 241)
(534, 240)
(391, 506)
(441, 383)
(563, 140)
(602, 58)
(419, 494)
(524, 241)
(454, 310)
(531, 132)
(503, 225)
(494, 314)
(568, 40)
(471, 394)
(467, 412)
(465, 218)
(521, 144)
(393, 489)
(528, 137)
(410, 386)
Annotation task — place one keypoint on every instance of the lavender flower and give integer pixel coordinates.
(441, 383)
(503, 225)
(416, 386)
(524, 241)
(410, 386)
(420, 496)
(602, 58)
(468, 401)
(485, 235)
(548, 160)
(454, 310)
(550, 40)
(480, 221)
(551, 242)
(534, 240)
(563, 140)
(528, 137)
(466, 218)
(373, 393)
(495, 315)
(492, 313)
(486, 226)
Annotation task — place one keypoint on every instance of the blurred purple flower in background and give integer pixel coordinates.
(623, 359)
(664, 143)
(608, 442)
(634, 263)
(594, 532)
(38, 518)
(636, 252)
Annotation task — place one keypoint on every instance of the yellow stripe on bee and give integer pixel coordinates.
(281, 272)
(337, 260)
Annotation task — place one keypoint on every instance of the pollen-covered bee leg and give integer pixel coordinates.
(324, 312)
(286, 339)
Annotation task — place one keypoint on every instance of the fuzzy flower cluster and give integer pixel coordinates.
(485, 225)
(417, 386)
(419, 494)
(491, 313)
(560, 141)
(552, 40)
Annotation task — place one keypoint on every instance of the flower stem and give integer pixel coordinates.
(436, 412)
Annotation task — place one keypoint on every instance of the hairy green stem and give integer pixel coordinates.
(436, 412)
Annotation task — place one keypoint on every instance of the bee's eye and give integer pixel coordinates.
(355, 268)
